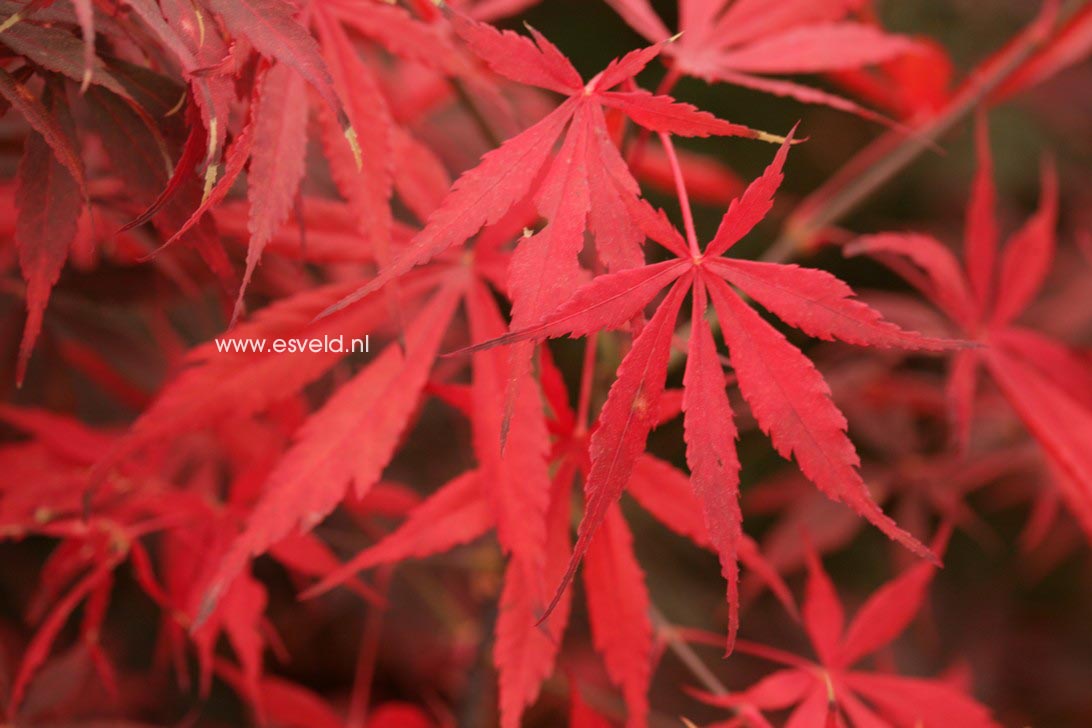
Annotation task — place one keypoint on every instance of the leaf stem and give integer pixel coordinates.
(685, 653)
(680, 189)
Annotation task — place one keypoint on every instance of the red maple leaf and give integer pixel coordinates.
(784, 390)
(745, 41)
(586, 183)
(1048, 385)
(616, 594)
(831, 690)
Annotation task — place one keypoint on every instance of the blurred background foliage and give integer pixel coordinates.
(1023, 624)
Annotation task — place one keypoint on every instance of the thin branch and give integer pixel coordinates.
(889, 154)
(685, 653)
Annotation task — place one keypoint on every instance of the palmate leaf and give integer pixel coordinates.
(1045, 383)
(742, 42)
(832, 689)
(505, 175)
(785, 391)
(235, 455)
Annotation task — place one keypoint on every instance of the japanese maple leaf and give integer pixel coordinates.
(508, 492)
(585, 184)
(831, 690)
(1048, 385)
(615, 588)
(349, 441)
(274, 138)
(785, 391)
(382, 398)
(742, 42)
(616, 593)
(81, 569)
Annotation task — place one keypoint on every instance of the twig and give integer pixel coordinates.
(685, 653)
(879, 162)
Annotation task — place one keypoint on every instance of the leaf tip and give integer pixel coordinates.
(210, 180)
(764, 136)
(208, 605)
(354, 145)
(15, 18)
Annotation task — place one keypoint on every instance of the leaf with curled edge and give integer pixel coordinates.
(270, 27)
(167, 21)
(135, 155)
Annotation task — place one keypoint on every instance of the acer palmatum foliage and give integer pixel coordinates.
(223, 535)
